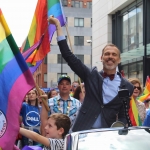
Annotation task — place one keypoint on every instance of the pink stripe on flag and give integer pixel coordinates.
(16, 96)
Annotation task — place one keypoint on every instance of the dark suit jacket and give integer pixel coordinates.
(93, 103)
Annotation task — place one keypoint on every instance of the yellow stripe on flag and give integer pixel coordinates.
(4, 24)
(135, 111)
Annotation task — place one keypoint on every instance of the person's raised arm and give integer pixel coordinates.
(35, 136)
(44, 113)
(76, 65)
(56, 22)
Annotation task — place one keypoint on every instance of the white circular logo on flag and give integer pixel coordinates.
(3, 124)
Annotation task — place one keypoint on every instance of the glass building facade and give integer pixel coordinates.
(130, 28)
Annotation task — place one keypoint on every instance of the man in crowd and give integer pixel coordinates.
(63, 103)
(101, 106)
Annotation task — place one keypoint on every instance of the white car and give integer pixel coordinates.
(117, 138)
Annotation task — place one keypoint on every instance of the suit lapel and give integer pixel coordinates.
(101, 87)
(122, 84)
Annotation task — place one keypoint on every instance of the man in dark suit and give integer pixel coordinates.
(101, 106)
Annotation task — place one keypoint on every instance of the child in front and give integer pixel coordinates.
(57, 127)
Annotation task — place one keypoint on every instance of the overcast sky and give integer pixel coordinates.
(18, 14)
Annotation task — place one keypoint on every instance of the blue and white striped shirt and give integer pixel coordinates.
(68, 107)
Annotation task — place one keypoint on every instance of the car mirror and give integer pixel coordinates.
(123, 131)
(117, 124)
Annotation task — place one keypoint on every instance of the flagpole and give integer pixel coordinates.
(40, 93)
(69, 38)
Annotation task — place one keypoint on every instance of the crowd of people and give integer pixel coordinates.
(79, 106)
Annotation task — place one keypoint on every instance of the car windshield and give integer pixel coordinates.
(111, 140)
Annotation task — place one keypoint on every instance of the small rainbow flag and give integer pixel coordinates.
(146, 91)
(15, 81)
(133, 113)
(55, 9)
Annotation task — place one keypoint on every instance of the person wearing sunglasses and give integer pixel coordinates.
(136, 93)
(75, 84)
(101, 106)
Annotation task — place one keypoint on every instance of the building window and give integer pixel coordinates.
(132, 29)
(81, 57)
(89, 4)
(77, 4)
(45, 60)
(64, 2)
(45, 77)
(79, 40)
(79, 22)
(60, 59)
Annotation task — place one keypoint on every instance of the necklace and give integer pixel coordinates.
(68, 107)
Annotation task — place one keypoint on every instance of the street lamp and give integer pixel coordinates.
(90, 41)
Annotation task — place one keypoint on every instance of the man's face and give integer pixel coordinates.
(64, 87)
(110, 58)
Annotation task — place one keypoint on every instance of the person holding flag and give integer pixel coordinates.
(137, 110)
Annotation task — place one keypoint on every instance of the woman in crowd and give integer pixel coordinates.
(136, 93)
(52, 93)
(79, 94)
(30, 116)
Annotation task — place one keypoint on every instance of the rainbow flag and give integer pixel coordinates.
(133, 113)
(55, 8)
(15, 81)
(28, 53)
(146, 91)
(38, 27)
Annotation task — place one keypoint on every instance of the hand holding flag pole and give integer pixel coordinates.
(43, 100)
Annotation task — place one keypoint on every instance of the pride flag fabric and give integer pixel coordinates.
(29, 52)
(38, 27)
(15, 81)
(133, 113)
(146, 92)
(55, 9)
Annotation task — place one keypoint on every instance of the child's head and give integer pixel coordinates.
(58, 126)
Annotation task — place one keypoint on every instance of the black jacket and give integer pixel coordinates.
(93, 102)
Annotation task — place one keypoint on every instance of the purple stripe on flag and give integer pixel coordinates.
(28, 52)
(52, 28)
(33, 68)
(16, 95)
(32, 148)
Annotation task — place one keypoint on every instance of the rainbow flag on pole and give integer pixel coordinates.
(55, 8)
(39, 26)
(15, 81)
(133, 113)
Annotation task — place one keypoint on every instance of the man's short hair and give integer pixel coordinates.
(61, 121)
(110, 44)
